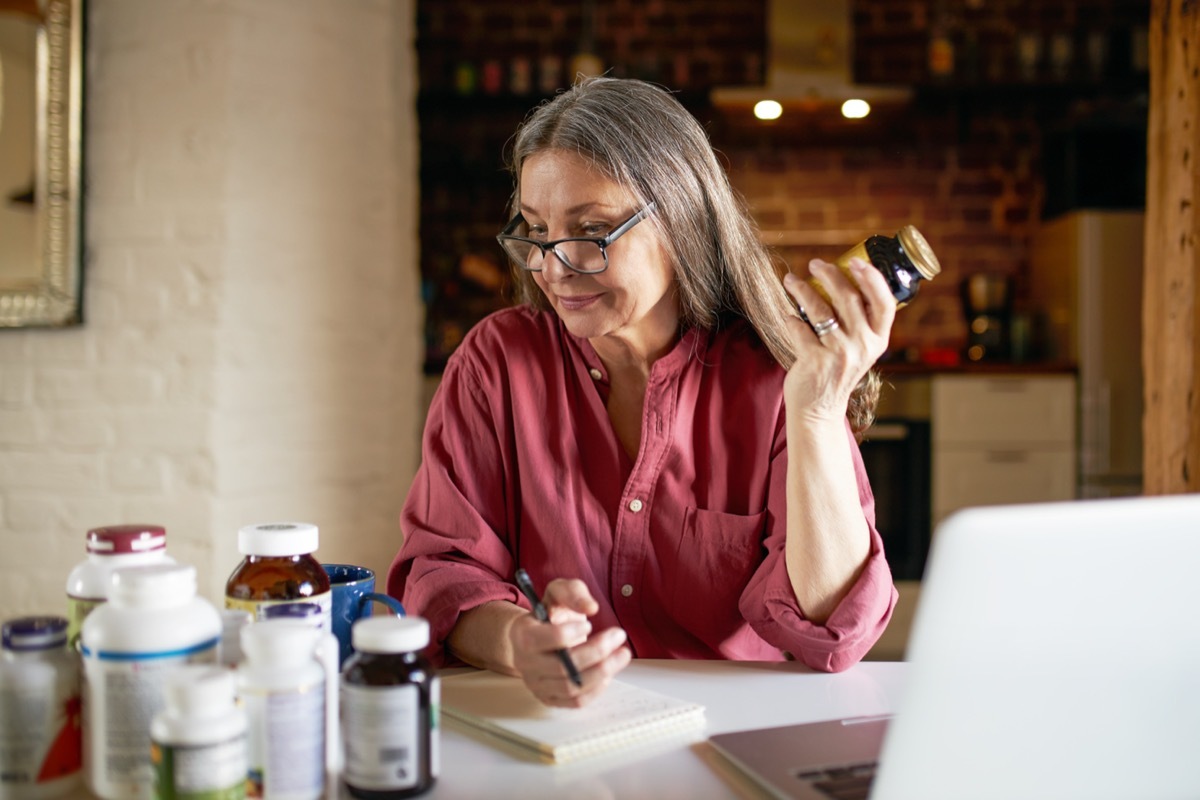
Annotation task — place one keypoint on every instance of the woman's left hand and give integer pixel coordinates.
(856, 320)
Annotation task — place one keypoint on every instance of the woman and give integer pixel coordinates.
(653, 434)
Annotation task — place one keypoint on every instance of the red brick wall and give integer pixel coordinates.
(963, 162)
(974, 203)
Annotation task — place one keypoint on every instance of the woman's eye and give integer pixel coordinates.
(597, 229)
(536, 232)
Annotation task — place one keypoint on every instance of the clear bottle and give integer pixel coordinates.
(198, 739)
(41, 750)
(287, 690)
(229, 651)
(152, 624)
(278, 567)
(390, 697)
(108, 548)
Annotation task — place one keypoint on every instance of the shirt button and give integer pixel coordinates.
(626, 590)
(595, 373)
(635, 505)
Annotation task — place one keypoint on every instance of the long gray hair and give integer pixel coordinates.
(639, 136)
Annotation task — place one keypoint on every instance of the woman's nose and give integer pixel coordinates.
(553, 268)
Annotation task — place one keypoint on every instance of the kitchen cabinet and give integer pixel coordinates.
(1002, 438)
(996, 437)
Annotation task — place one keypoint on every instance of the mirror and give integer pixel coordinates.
(41, 124)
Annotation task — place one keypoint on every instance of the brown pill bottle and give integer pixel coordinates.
(389, 706)
(904, 260)
(278, 568)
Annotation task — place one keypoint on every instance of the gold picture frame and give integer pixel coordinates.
(41, 283)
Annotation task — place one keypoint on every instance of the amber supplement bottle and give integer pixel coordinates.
(903, 259)
(278, 568)
(389, 700)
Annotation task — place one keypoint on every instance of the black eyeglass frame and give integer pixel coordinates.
(603, 242)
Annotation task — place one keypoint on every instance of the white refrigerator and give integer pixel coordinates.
(1086, 284)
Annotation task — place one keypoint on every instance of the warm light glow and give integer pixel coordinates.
(767, 109)
(855, 109)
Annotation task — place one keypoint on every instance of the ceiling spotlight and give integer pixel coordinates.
(855, 109)
(767, 109)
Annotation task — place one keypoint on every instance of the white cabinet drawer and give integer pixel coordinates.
(998, 476)
(1015, 410)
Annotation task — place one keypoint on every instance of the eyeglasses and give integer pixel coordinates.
(582, 254)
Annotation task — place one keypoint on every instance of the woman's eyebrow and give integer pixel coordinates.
(576, 209)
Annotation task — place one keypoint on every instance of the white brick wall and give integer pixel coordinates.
(251, 349)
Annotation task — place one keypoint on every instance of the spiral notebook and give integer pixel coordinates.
(623, 716)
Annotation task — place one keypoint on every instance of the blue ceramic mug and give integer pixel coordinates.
(353, 592)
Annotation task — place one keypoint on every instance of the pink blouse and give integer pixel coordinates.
(682, 547)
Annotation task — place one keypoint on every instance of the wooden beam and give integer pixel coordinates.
(1171, 304)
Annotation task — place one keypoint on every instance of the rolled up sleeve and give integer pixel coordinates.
(769, 604)
(452, 558)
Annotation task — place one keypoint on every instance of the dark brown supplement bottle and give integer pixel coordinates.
(389, 704)
(278, 568)
(904, 260)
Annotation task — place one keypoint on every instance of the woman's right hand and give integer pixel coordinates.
(598, 657)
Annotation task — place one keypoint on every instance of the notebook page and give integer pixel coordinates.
(624, 715)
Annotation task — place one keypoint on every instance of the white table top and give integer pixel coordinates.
(736, 696)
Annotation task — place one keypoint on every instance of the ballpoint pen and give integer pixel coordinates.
(539, 611)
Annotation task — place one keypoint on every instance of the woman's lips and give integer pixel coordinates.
(577, 302)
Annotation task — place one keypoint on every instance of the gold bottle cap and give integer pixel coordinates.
(919, 252)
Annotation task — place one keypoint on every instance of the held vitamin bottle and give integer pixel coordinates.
(278, 568)
(109, 548)
(152, 624)
(198, 740)
(903, 260)
(41, 751)
(390, 697)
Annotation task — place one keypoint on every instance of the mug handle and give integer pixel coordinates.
(386, 599)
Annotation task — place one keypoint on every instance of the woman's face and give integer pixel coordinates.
(633, 302)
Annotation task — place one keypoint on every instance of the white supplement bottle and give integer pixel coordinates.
(40, 745)
(198, 740)
(285, 687)
(109, 548)
(229, 651)
(152, 624)
(313, 615)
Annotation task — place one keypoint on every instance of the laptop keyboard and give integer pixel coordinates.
(851, 782)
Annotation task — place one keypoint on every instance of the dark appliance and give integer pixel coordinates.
(895, 453)
(987, 306)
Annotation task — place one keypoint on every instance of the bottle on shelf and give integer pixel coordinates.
(940, 53)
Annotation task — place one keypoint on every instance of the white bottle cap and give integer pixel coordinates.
(277, 539)
(282, 642)
(200, 690)
(153, 585)
(390, 634)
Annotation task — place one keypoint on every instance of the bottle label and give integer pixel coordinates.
(77, 610)
(40, 725)
(258, 608)
(200, 772)
(382, 728)
(123, 693)
(286, 744)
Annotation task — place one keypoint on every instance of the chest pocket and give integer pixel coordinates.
(718, 553)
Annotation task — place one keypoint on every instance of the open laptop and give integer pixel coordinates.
(1055, 653)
